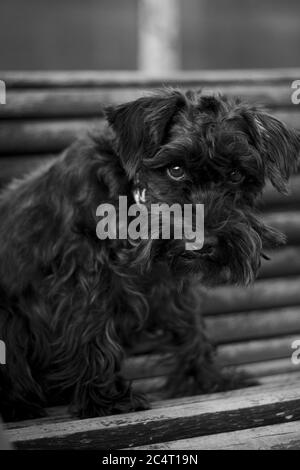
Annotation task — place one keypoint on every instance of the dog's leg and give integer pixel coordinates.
(88, 364)
(100, 387)
(21, 392)
(196, 369)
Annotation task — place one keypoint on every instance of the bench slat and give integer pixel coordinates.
(285, 436)
(236, 354)
(258, 406)
(154, 386)
(255, 324)
(283, 262)
(287, 222)
(265, 293)
(60, 413)
(81, 102)
(256, 350)
(273, 198)
(45, 136)
(268, 372)
(43, 79)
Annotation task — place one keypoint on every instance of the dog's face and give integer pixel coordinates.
(191, 148)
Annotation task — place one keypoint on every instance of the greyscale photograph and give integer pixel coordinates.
(149, 228)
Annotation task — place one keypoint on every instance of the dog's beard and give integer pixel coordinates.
(236, 258)
(242, 238)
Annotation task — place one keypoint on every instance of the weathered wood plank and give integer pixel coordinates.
(256, 324)
(285, 436)
(269, 96)
(85, 102)
(27, 137)
(268, 372)
(283, 262)
(269, 369)
(61, 414)
(272, 198)
(74, 103)
(265, 293)
(17, 166)
(154, 386)
(287, 222)
(41, 79)
(4, 444)
(236, 354)
(262, 407)
(256, 350)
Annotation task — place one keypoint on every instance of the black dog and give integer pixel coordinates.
(70, 302)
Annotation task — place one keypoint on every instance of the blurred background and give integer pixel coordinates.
(112, 34)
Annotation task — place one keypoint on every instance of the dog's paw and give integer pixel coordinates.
(131, 402)
(208, 379)
(21, 412)
(233, 379)
(134, 402)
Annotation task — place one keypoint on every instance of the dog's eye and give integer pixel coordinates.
(236, 176)
(176, 172)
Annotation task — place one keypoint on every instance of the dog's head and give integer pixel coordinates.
(190, 148)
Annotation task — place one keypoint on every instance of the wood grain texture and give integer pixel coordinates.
(154, 386)
(83, 102)
(265, 293)
(18, 166)
(235, 354)
(257, 324)
(284, 436)
(287, 222)
(258, 406)
(61, 414)
(272, 198)
(45, 136)
(41, 79)
(4, 444)
(256, 350)
(60, 103)
(268, 369)
(283, 262)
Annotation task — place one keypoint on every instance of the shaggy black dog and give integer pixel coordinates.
(69, 302)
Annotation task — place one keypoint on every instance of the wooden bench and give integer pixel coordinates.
(253, 327)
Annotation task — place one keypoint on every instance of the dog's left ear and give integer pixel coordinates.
(141, 125)
(280, 148)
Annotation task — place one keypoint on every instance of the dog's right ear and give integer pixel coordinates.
(141, 125)
(280, 146)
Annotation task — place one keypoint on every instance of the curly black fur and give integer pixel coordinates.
(70, 302)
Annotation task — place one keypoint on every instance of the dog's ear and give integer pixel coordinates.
(141, 125)
(280, 148)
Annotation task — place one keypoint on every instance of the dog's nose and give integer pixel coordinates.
(210, 244)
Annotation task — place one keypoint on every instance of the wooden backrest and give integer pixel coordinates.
(254, 327)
